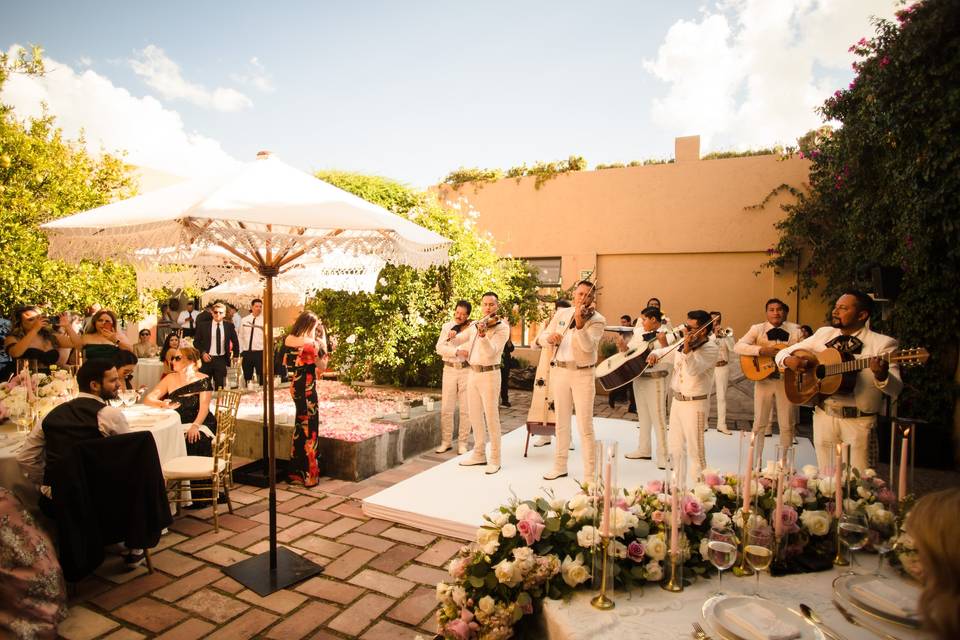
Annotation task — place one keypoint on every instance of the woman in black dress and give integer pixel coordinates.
(304, 354)
(32, 338)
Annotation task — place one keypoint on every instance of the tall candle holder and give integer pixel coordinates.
(601, 600)
(743, 568)
(605, 483)
(673, 567)
(840, 559)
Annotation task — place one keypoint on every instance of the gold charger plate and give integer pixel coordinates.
(843, 592)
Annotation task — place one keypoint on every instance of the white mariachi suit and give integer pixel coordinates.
(483, 386)
(848, 418)
(649, 392)
(454, 389)
(721, 375)
(572, 383)
(769, 391)
(691, 384)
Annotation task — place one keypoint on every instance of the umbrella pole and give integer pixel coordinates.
(277, 568)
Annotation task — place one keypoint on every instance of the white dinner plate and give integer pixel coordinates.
(842, 590)
(715, 614)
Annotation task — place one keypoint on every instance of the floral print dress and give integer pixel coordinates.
(304, 466)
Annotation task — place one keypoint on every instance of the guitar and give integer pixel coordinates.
(758, 368)
(622, 368)
(836, 372)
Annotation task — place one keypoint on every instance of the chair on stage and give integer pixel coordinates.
(210, 473)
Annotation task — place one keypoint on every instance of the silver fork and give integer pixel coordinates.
(699, 633)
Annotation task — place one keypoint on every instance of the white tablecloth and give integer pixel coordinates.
(147, 373)
(654, 614)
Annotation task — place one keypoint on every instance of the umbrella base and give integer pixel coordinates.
(255, 473)
(256, 575)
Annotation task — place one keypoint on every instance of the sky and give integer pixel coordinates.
(413, 90)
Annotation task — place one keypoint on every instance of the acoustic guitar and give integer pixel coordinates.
(836, 372)
(622, 368)
(758, 368)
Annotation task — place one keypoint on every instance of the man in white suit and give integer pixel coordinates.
(576, 333)
(759, 341)
(848, 418)
(455, 374)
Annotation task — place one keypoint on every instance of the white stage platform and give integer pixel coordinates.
(450, 500)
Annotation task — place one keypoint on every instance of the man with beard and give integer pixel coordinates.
(848, 418)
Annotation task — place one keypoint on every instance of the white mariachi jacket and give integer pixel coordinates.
(585, 342)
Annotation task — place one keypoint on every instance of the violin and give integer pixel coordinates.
(487, 322)
(698, 338)
(588, 308)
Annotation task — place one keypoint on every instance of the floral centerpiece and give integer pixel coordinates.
(546, 547)
(43, 391)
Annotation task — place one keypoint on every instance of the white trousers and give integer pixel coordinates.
(574, 389)
(721, 377)
(649, 395)
(483, 393)
(454, 395)
(829, 430)
(687, 418)
(767, 394)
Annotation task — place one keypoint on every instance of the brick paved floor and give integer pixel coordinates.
(378, 582)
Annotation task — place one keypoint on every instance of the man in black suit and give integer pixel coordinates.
(217, 340)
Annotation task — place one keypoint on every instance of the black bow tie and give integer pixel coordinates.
(777, 335)
(846, 344)
(650, 335)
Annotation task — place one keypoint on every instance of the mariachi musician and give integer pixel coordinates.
(481, 345)
(454, 387)
(575, 334)
(848, 418)
(723, 337)
(650, 387)
(765, 340)
(693, 363)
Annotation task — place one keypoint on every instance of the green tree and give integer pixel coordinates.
(389, 334)
(885, 190)
(44, 177)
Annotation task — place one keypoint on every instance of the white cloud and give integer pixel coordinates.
(750, 73)
(163, 75)
(112, 119)
(257, 77)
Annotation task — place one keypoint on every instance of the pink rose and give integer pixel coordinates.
(657, 516)
(766, 482)
(712, 480)
(655, 486)
(458, 629)
(622, 503)
(458, 568)
(886, 496)
(635, 551)
(788, 516)
(798, 482)
(531, 527)
(692, 510)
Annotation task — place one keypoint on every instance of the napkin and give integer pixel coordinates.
(761, 623)
(881, 595)
(204, 429)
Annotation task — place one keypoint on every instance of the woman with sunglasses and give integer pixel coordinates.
(101, 340)
(170, 348)
(145, 348)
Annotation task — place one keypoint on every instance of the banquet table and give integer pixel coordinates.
(655, 614)
(147, 373)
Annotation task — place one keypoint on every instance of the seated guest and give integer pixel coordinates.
(85, 417)
(32, 337)
(33, 595)
(170, 348)
(934, 527)
(126, 363)
(145, 348)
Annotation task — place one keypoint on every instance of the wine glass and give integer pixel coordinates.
(722, 552)
(24, 419)
(128, 397)
(759, 550)
(882, 534)
(853, 531)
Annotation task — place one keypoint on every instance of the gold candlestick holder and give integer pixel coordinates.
(840, 560)
(673, 580)
(743, 568)
(601, 601)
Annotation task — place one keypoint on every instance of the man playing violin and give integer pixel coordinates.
(575, 333)
(692, 381)
(848, 418)
(481, 345)
(763, 340)
(455, 372)
(649, 389)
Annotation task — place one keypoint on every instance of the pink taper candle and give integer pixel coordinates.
(748, 476)
(838, 481)
(778, 513)
(607, 498)
(902, 485)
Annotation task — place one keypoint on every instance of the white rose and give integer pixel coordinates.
(654, 571)
(486, 604)
(443, 591)
(587, 537)
(557, 504)
(705, 495)
(508, 573)
(499, 518)
(868, 473)
(719, 520)
(524, 558)
(489, 540)
(508, 530)
(459, 596)
(827, 485)
(816, 522)
(809, 471)
(621, 521)
(792, 496)
(617, 549)
(522, 510)
(704, 548)
(656, 547)
(863, 493)
(726, 490)
(876, 513)
(573, 571)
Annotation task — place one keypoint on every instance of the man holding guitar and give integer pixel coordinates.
(454, 386)
(847, 417)
(757, 349)
(575, 334)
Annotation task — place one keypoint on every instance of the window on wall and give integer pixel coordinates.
(548, 270)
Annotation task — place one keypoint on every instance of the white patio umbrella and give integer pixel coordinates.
(264, 218)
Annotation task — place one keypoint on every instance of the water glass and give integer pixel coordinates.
(758, 550)
(854, 530)
(722, 552)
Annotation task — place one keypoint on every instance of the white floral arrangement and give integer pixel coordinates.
(41, 391)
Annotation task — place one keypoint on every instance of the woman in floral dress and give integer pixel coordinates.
(304, 355)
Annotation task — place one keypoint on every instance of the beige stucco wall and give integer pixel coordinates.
(679, 232)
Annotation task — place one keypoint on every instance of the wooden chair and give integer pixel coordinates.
(209, 472)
